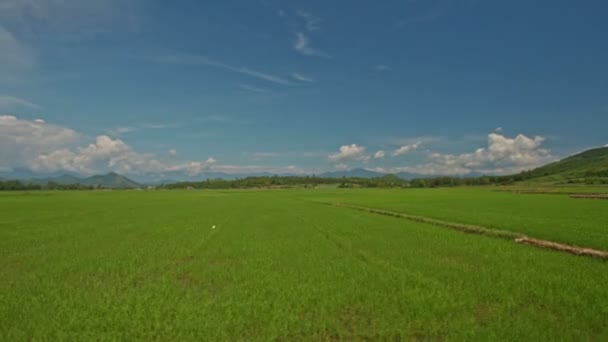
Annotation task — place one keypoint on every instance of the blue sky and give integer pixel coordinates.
(433, 87)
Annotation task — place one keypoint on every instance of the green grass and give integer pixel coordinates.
(279, 265)
(553, 217)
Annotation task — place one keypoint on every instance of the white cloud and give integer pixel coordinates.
(341, 167)
(349, 152)
(498, 129)
(379, 154)
(503, 155)
(406, 149)
(301, 77)
(42, 147)
(250, 88)
(105, 154)
(121, 130)
(9, 102)
(303, 46)
(382, 67)
(21, 141)
(242, 169)
(422, 140)
(265, 155)
(184, 59)
(311, 22)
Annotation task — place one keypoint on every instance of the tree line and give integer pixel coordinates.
(16, 185)
(387, 181)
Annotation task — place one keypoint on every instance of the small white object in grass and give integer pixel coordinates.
(213, 227)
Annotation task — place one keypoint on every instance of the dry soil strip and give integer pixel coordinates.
(473, 229)
(590, 196)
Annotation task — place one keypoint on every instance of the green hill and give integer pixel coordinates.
(589, 167)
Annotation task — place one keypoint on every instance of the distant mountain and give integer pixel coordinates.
(63, 179)
(26, 174)
(408, 175)
(589, 164)
(110, 180)
(358, 173)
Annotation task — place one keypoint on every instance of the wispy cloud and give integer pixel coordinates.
(251, 88)
(426, 140)
(382, 67)
(16, 59)
(122, 130)
(9, 102)
(70, 20)
(301, 77)
(292, 154)
(185, 59)
(311, 22)
(159, 125)
(303, 46)
(266, 155)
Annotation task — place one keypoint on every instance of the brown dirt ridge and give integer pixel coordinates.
(473, 229)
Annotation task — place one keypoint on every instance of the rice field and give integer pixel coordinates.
(285, 265)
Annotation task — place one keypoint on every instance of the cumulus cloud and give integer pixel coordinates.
(379, 154)
(502, 155)
(105, 154)
(21, 141)
(349, 152)
(43, 147)
(405, 149)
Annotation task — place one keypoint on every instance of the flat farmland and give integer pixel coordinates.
(283, 264)
(551, 216)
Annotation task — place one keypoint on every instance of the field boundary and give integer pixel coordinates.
(590, 196)
(480, 230)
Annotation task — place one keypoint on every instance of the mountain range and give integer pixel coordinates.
(588, 164)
